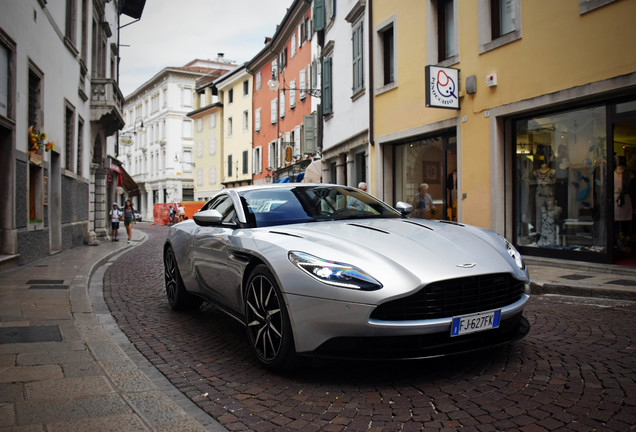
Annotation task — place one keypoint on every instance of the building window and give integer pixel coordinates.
(80, 145)
(229, 166)
(327, 86)
(212, 146)
(212, 175)
(35, 98)
(245, 121)
(499, 23)
(274, 111)
(71, 22)
(358, 57)
(199, 176)
(212, 121)
(69, 135)
(229, 126)
(186, 97)
(199, 148)
(6, 76)
(258, 80)
(560, 181)
(302, 84)
(293, 45)
(292, 94)
(257, 120)
(246, 88)
(446, 30)
(502, 20)
(245, 161)
(187, 129)
(282, 105)
(230, 96)
(257, 160)
(386, 54)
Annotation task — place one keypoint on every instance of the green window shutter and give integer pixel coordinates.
(319, 15)
(327, 86)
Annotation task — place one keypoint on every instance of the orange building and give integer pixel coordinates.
(281, 73)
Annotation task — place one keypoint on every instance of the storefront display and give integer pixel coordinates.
(560, 181)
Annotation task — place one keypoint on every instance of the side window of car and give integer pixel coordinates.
(225, 206)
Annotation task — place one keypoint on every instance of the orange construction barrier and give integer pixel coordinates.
(161, 211)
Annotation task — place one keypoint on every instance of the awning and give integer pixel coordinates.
(124, 179)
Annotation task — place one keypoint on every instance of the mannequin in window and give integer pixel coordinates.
(622, 202)
(544, 179)
(550, 216)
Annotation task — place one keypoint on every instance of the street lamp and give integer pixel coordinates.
(126, 138)
(274, 85)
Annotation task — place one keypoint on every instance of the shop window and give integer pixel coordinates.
(427, 166)
(80, 145)
(560, 181)
(36, 182)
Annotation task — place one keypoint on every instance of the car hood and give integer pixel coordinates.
(429, 250)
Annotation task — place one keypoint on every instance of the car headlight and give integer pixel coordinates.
(514, 253)
(334, 273)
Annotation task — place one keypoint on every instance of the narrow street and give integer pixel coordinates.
(575, 371)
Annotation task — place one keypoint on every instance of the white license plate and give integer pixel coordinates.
(465, 324)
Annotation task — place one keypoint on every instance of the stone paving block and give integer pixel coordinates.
(115, 423)
(67, 410)
(156, 409)
(30, 373)
(69, 387)
(10, 392)
(130, 380)
(7, 415)
(52, 357)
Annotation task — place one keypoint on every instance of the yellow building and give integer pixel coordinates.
(235, 91)
(536, 134)
(208, 141)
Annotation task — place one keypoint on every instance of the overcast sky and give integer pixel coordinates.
(173, 32)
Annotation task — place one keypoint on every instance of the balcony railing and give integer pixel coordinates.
(107, 104)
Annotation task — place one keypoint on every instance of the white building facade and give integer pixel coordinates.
(345, 90)
(157, 143)
(58, 75)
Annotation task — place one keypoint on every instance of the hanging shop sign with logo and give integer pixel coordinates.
(442, 87)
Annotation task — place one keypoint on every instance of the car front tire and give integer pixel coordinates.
(178, 297)
(267, 321)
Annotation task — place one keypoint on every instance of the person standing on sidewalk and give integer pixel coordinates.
(129, 218)
(115, 217)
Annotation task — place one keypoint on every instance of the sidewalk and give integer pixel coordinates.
(65, 365)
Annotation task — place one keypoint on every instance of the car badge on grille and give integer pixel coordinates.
(466, 266)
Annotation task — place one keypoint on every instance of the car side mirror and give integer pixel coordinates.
(208, 217)
(404, 208)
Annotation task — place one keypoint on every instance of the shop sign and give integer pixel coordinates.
(289, 154)
(442, 87)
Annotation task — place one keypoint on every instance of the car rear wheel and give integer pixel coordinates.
(267, 321)
(178, 297)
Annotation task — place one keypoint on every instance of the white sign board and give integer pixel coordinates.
(442, 87)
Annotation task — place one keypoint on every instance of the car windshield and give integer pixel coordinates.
(278, 206)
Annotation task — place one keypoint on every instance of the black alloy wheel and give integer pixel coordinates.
(178, 297)
(267, 322)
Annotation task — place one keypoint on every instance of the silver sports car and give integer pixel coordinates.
(329, 271)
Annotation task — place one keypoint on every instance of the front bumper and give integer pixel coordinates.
(327, 328)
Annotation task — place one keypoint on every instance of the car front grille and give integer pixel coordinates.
(453, 297)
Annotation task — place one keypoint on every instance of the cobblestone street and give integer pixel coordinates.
(575, 371)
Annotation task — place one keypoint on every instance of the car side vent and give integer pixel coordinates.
(286, 234)
(418, 224)
(369, 228)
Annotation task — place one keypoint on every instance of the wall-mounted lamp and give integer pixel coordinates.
(126, 138)
(274, 85)
(176, 159)
(141, 127)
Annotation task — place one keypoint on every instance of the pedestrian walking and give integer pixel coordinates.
(115, 217)
(129, 218)
(181, 211)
